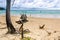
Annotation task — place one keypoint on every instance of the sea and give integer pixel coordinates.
(34, 13)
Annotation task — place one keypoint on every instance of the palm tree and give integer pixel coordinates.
(10, 27)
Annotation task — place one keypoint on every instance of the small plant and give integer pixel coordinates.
(26, 38)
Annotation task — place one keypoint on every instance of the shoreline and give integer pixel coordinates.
(38, 14)
(29, 15)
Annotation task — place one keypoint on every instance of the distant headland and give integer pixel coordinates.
(1, 8)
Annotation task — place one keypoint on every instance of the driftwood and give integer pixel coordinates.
(49, 33)
(23, 19)
(41, 27)
(21, 28)
(19, 22)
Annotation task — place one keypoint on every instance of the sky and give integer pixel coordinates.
(33, 4)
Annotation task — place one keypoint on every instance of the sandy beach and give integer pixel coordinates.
(51, 29)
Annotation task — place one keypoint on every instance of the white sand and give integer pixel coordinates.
(51, 25)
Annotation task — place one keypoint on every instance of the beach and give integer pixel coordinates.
(51, 29)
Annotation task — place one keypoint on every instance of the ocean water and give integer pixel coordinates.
(35, 13)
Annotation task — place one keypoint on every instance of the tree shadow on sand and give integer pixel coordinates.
(3, 28)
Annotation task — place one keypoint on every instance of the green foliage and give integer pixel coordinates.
(26, 38)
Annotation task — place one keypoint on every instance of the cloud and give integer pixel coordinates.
(2, 3)
(36, 3)
(33, 3)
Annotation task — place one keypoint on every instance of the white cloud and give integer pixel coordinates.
(34, 3)
(2, 3)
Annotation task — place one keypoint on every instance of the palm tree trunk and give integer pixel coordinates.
(10, 27)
